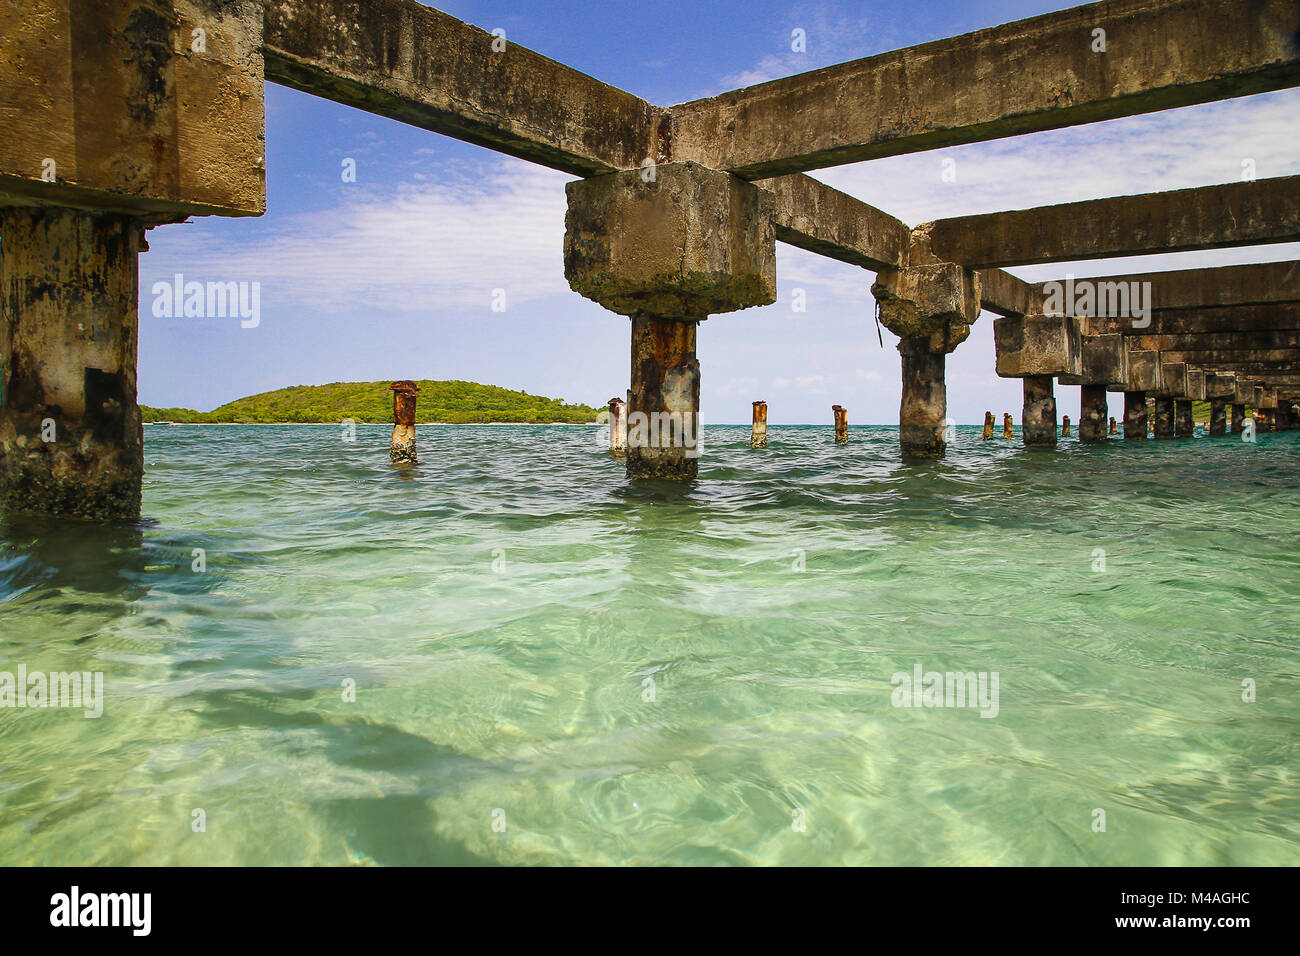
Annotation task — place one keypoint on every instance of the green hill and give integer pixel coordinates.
(450, 402)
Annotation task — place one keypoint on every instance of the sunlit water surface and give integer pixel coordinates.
(554, 666)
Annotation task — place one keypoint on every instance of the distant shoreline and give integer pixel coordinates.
(337, 424)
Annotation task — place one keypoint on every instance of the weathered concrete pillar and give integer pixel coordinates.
(1092, 413)
(1164, 426)
(617, 428)
(402, 448)
(1238, 418)
(758, 436)
(1135, 416)
(988, 427)
(1218, 417)
(669, 251)
(930, 308)
(1038, 418)
(841, 424)
(924, 405)
(1184, 425)
(71, 442)
(1065, 426)
(1008, 429)
(1113, 429)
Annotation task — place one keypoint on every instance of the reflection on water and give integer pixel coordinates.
(509, 654)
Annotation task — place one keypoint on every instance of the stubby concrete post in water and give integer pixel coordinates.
(1173, 387)
(402, 449)
(1238, 418)
(1065, 426)
(1008, 429)
(669, 250)
(930, 308)
(1184, 425)
(1135, 416)
(617, 428)
(841, 424)
(1093, 411)
(1113, 429)
(1218, 417)
(758, 435)
(1038, 417)
(988, 427)
(1219, 389)
(71, 440)
(1164, 416)
(1035, 348)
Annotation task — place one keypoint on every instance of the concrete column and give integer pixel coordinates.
(1135, 416)
(1218, 417)
(1038, 418)
(924, 406)
(71, 442)
(617, 428)
(402, 449)
(1113, 429)
(1065, 426)
(663, 421)
(1184, 425)
(1007, 426)
(841, 424)
(1164, 417)
(988, 427)
(758, 437)
(1092, 413)
(1238, 418)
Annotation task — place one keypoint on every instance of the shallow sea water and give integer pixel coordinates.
(554, 666)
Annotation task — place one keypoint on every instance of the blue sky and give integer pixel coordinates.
(393, 276)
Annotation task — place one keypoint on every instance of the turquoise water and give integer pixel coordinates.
(554, 666)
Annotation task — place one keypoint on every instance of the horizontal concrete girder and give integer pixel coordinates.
(821, 219)
(1033, 345)
(405, 61)
(1036, 74)
(1251, 284)
(1204, 217)
(1225, 319)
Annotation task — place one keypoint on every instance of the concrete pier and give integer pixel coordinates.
(1184, 425)
(841, 424)
(1065, 426)
(1238, 418)
(987, 434)
(1135, 416)
(1164, 424)
(1008, 429)
(1038, 419)
(71, 441)
(617, 428)
(668, 251)
(402, 449)
(1218, 417)
(1092, 414)
(758, 434)
(930, 308)
(1113, 429)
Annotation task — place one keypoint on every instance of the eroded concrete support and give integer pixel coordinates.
(668, 251)
(1038, 418)
(1008, 429)
(841, 424)
(1135, 416)
(1164, 424)
(758, 435)
(617, 428)
(402, 449)
(1218, 417)
(1092, 413)
(1238, 418)
(663, 424)
(988, 427)
(924, 405)
(1184, 425)
(71, 441)
(1113, 429)
(930, 308)
(1065, 426)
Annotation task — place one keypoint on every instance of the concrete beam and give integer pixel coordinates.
(1036, 74)
(814, 216)
(113, 108)
(1224, 319)
(405, 61)
(1205, 217)
(1259, 283)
